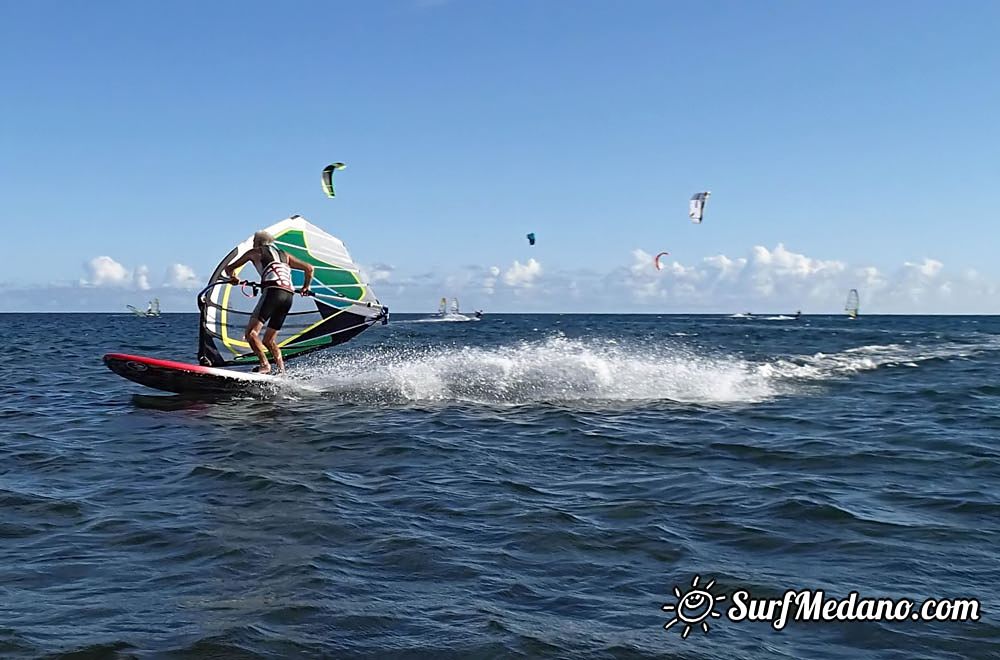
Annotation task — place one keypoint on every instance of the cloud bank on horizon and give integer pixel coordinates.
(763, 280)
(105, 272)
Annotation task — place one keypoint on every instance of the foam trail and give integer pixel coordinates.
(450, 318)
(553, 369)
(557, 369)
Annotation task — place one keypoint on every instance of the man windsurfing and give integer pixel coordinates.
(275, 269)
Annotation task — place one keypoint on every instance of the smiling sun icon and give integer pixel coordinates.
(693, 607)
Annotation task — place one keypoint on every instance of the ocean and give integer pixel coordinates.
(534, 486)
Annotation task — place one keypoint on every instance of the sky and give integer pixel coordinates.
(847, 145)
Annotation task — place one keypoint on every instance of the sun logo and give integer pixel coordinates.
(694, 607)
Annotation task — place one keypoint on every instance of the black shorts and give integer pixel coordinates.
(273, 307)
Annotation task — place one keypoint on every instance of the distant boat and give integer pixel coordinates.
(152, 309)
(453, 312)
(853, 304)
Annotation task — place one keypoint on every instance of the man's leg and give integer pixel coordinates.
(270, 340)
(253, 338)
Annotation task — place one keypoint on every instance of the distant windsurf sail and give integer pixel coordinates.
(443, 307)
(152, 309)
(341, 307)
(853, 304)
(454, 306)
(696, 208)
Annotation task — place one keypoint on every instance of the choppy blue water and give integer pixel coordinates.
(522, 486)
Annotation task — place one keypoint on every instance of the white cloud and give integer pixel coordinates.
(377, 273)
(141, 278)
(783, 262)
(927, 268)
(869, 277)
(105, 271)
(728, 269)
(762, 280)
(522, 275)
(781, 280)
(490, 281)
(180, 276)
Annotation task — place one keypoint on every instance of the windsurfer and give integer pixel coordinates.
(274, 266)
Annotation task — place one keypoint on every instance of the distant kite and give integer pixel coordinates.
(531, 238)
(696, 209)
(328, 178)
(656, 259)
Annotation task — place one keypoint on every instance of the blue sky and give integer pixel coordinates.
(841, 137)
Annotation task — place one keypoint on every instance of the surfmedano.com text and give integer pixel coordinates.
(815, 605)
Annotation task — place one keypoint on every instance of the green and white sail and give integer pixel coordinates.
(341, 307)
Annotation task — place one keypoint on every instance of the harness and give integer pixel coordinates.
(273, 268)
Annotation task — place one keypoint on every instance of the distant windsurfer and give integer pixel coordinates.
(274, 266)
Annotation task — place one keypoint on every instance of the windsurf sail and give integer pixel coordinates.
(853, 304)
(443, 307)
(341, 307)
(696, 208)
(454, 306)
(327, 178)
(152, 309)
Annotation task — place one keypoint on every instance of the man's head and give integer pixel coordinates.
(262, 238)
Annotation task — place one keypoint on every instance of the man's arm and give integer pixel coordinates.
(303, 266)
(228, 271)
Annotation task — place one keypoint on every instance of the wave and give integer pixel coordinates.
(828, 366)
(777, 317)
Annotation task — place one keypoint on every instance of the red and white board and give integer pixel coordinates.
(185, 378)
